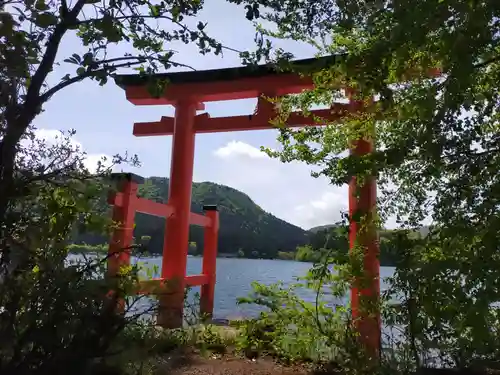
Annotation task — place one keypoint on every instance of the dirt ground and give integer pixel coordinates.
(190, 361)
(210, 364)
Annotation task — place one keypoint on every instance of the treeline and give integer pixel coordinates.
(319, 242)
(335, 238)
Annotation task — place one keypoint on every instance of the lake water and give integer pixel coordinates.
(234, 278)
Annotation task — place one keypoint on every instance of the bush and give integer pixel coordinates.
(62, 319)
(293, 329)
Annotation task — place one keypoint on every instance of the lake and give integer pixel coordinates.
(234, 276)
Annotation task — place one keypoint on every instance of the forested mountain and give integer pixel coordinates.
(245, 228)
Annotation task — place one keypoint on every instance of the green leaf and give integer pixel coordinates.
(176, 11)
(41, 5)
(111, 30)
(45, 19)
(77, 57)
(154, 10)
(250, 12)
(88, 59)
(72, 60)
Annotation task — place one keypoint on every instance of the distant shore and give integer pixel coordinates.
(77, 249)
(103, 249)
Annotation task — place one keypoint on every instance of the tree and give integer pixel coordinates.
(46, 189)
(437, 146)
(305, 253)
(55, 316)
(32, 32)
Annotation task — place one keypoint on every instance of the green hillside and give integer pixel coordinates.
(245, 228)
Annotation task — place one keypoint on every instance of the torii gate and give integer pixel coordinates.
(187, 92)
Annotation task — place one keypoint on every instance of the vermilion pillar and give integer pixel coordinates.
(175, 246)
(363, 232)
(209, 261)
(123, 215)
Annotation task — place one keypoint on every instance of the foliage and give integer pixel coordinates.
(285, 256)
(307, 254)
(212, 339)
(32, 33)
(139, 249)
(335, 237)
(436, 155)
(293, 329)
(56, 318)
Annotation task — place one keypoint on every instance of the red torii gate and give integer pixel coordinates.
(187, 91)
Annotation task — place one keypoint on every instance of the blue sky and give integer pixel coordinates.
(103, 121)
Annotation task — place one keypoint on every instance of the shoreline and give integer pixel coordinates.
(201, 256)
(219, 256)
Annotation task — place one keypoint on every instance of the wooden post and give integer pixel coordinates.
(123, 215)
(175, 247)
(210, 261)
(362, 204)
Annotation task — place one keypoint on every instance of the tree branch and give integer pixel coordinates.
(137, 16)
(93, 73)
(32, 97)
(487, 62)
(64, 8)
(121, 18)
(88, 74)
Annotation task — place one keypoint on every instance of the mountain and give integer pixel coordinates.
(245, 228)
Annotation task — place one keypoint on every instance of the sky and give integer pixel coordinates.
(103, 121)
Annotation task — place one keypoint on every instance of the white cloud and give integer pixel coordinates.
(286, 190)
(238, 148)
(323, 210)
(55, 137)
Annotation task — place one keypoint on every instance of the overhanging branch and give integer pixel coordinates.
(487, 62)
(105, 70)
